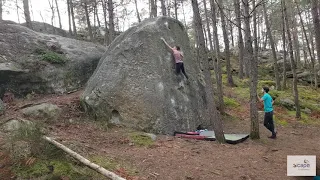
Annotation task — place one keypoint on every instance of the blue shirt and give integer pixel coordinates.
(267, 102)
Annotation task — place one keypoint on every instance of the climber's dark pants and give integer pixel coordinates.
(268, 121)
(180, 67)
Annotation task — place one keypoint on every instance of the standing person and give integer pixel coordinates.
(268, 112)
(178, 57)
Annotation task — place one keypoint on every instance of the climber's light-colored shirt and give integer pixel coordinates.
(177, 56)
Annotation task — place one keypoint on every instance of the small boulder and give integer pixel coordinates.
(14, 125)
(261, 116)
(307, 110)
(45, 111)
(152, 136)
(287, 103)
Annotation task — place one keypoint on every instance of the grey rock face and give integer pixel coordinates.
(135, 84)
(23, 68)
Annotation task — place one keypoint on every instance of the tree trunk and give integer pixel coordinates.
(27, 13)
(274, 54)
(0, 10)
(69, 17)
(111, 21)
(215, 118)
(226, 44)
(60, 25)
(52, 14)
(153, 12)
(254, 134)
(208, 24)
(316, 24)
(217, 61)
(17, 6)
(169, 7)
(240, 38)
(296, 41)
(293, 64)
(73, 19)
(83, 160)
(307, 43)
(88, 20)
(176, 9)
(255, 36)
(137, 11)
(231, 34)
(163, 8)
(106, 33)
(97, 14)
(184, 15)
(284, 85)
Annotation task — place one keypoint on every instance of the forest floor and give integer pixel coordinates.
(169, 157)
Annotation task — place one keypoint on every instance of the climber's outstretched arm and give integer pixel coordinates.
(165, 42)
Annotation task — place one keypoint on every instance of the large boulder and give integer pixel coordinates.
(43, 63)
(47, 28)
(135, 84)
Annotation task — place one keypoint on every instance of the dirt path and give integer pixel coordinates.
(175, 158)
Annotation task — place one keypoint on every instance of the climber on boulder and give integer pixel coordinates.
(178, 57)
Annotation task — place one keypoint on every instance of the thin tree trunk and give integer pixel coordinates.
(52, 15)
(255, 36)
(163, 8)
(73, 19)
(316, 24)
(254, 134)
(208, 24)
(176, 9)
(217, 61)
(153, 12)
(169, 7)
(27, 13)
(106, 33)
(0, 10)
(18, 11)
(111, 21)
(215, 118)
(296, 41)
(293, 64)
(307, 43)
(97, 14)
(274, 54)
(69, 17)
(43, 21)
(60, 25)
(184, 15)
(205, 36)
(231, 34)
(240, 38)
(137, 11)
(284, 81)
(226, 45)
(88, 20)
(83, 160)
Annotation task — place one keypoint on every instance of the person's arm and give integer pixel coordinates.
(260, 99)
(165, 42)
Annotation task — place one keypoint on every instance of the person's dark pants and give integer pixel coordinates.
(268, 121)
(180, 68)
